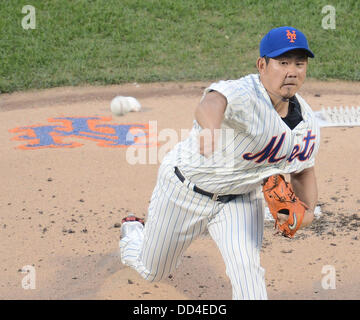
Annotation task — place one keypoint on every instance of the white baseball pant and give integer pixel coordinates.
(177, 215)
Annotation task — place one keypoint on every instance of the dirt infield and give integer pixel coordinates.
(66, 185)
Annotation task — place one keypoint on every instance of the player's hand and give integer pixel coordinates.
(307, 220)
(208, 141)
(282, 218)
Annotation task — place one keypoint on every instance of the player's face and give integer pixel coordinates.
(284, 75)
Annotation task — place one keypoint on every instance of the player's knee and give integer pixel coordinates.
(157, 270)
(154, 277)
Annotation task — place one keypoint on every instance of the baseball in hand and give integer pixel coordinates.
(121, 105)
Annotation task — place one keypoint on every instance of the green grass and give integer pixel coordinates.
(110, 42)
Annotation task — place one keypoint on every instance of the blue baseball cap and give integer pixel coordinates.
(280, 40)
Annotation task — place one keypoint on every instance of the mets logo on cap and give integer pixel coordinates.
(291, 35)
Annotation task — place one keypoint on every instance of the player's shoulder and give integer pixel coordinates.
(234, 89)
(245, 83)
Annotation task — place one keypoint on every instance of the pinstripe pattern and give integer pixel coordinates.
(177, 215)
(237, 229)
(235, 226)
(175, 219)
(252, 117)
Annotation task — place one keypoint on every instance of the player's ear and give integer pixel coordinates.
(261, 64)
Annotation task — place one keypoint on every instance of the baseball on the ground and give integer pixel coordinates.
(121, 105)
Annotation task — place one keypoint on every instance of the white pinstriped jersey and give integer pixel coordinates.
(256, 142)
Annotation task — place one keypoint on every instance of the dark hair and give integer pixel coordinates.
(297, 52)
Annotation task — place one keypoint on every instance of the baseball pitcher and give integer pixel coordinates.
(247, 134)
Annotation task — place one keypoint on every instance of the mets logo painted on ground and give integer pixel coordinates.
(56, 134)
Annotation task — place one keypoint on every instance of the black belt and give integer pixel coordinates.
(214, 196)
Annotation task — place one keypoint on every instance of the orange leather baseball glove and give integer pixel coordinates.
(281, 198)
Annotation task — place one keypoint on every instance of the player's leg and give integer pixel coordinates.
(175, 218)
(238, 230)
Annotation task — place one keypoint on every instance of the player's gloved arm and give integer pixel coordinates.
(209, 115)
(305, 187)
